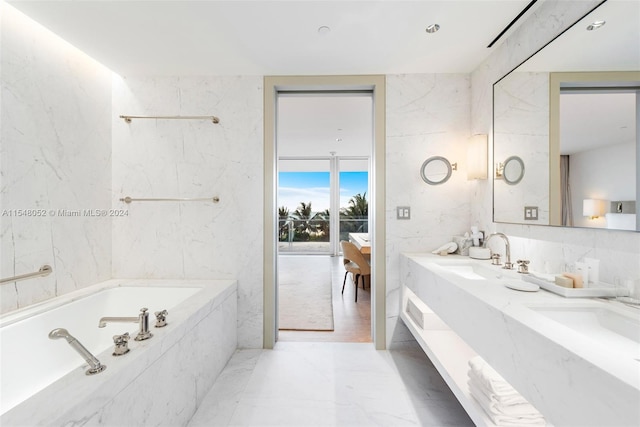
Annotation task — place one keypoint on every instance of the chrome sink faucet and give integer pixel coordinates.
(508, 265)
(142, 320)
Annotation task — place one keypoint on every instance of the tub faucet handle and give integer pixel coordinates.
(122, 344)
(161, 318)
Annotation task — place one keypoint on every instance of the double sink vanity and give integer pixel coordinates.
(577, 360)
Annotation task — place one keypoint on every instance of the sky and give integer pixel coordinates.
(296, 187)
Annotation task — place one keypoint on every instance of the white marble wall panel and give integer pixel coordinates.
(192, 159)
(521, 104)
(427, 115)
(619, 252)
(56, 160)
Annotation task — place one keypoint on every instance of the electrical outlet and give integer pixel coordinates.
(530, 213)
(403, 212)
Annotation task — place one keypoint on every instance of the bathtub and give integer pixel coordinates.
(160, 381)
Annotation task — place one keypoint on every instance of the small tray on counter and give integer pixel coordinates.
(603, 290)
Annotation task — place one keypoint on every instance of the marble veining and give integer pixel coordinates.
(191, 158)
(571, 378)
(619, 252)
(330, 384)
(427, 115)
(160, 381)
(56, 158)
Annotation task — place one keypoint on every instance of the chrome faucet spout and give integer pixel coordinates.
(104, 320)
(94, 364)
(142, 320)
(507, 249)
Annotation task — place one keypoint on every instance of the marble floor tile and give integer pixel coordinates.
(330, 384)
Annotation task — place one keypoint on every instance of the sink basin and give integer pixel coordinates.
(467, 271)
(610, 326)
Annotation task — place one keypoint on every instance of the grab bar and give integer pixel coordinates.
(214, 119)
(214, 199)
(45, 270)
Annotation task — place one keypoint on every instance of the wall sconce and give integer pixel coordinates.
(594, 208)
(477, 157)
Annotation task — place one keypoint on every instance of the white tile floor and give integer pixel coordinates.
(329, 384)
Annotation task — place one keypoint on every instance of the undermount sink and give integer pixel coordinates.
(610, 326)
(464, 270)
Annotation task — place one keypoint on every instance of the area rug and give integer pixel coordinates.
(304, 293)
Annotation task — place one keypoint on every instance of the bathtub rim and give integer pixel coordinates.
(181, 318)
(20, 314)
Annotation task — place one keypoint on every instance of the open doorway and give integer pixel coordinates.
(323, 144)
(376, 218)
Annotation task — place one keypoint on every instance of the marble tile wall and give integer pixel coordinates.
(56, 163)
(192, 159)
(521, 106)
(427, 115)
(619, 252)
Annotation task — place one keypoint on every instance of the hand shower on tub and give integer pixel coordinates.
(95, 366)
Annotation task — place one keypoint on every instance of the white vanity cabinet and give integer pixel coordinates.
(571, 377)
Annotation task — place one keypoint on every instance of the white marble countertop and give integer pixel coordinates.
(569, 376)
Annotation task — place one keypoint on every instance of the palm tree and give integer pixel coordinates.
(321, 222)
(354, 218)
(301, 218)
(283, 228)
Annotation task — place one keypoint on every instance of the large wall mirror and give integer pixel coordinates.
(571, 113)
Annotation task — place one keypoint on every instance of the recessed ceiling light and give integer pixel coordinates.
(324, 30)
(432, 28)
(595, 25)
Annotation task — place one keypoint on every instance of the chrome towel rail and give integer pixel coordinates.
(214, 119)
(45, 270)
(214, 199)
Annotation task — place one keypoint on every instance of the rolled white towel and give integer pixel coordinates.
(449, 248)
(489, 377)
(504, 396)
(523, 409)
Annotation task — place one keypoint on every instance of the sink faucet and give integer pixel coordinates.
(508, 265)
(142, 319)
(95, 366)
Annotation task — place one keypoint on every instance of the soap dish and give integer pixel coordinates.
(477, 252)
(523, 286)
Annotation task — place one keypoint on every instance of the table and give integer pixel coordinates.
(361, 240)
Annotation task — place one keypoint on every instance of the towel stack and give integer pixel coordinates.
(501, 402)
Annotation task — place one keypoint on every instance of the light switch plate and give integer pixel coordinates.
(530, 213)
(403, 212)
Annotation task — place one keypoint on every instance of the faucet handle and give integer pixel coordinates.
(523, 266)
(122, 344)
(495, 259)
(161, 318)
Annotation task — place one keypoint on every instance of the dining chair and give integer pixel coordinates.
(354, 263)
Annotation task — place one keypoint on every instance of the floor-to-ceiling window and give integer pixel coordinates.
(321, 201)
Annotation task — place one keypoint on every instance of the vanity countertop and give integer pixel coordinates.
(567, 372)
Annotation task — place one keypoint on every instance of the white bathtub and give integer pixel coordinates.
(43, 380)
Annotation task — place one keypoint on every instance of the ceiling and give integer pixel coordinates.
(593, 120)
(264, 37)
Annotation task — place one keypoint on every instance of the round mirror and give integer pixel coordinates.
(436, 170)
(513, 170)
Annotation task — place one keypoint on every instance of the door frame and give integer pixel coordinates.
(375, 84)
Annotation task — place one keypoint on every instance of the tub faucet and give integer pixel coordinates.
(508, 265)
(142, 320)
(95, 366)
